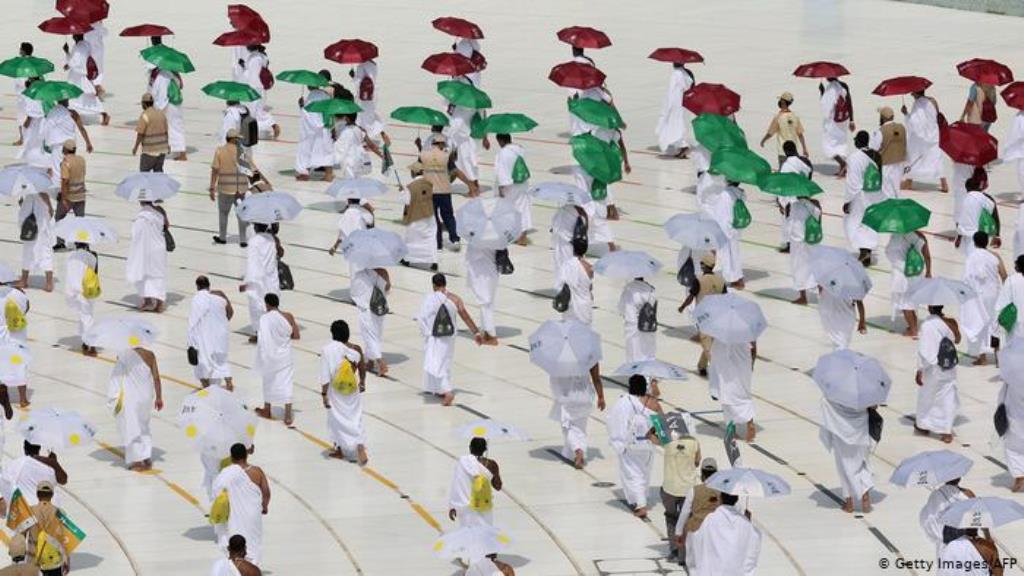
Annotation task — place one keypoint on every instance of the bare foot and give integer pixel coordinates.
(105, 119)
(137, 467)
(920, 431)
(907, 185)
(264, 413)
(382, 368)
(490, 340)
(848, 506)
(447, 399)
(865, 502)
(17, 142)
(180, 157)
(683, 154)
(578, 461)
(640, 512)
(361, 457)
(159, 307)
(302, 177)
(982, 360)
(24, 404)
(1018, 485)
(738, 285)
(336, 453)
(801, 301)
(277, 131)
(946, 438)
(751, 431)
(289, 417)
(252, 339)
(48, 287)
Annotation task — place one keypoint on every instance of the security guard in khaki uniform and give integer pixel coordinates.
(72, 186)
(47, 521)
(709, 282)
(151, 136)
(21, 562)
(228, 185)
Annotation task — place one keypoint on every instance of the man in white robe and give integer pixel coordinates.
(470, 496)
(438, 326)
(96, 39)
(729, 379)
(37, 254)
(563, 224)
(28, 471)
(896, 251)
(260, 273)
(961, 557)
(315, 148)
(512, 183)
(940, 499)
(470, 48)
(274, 361)
(640, 344)
(364, 79)
(793, 163)
(352, 148)
(984, 272)
(248, 495)
(1012, 292)
(631, 436)
(418, 218)
(967, 221)
(371, 323)
(1012, 397)
(798, 213)
(839, 316)
(344, 403)
(1013, 151)
(208, 329)
(231, 120)
(89, 103)
(31, 125)
(14, 328)
(890, 139)
(133, 392)
(860, 238)
(937, 397)
(146, 267)
(79, 262)
(958, 184)
(726, 543)
(59, 125)
(844, 433)
(837, 119)
(166, 90)
(578, 275)
(235, 564)
(482, 280)
(924, 157)
(673, 129)
(255, 61)
(573, 399)
(719, 206)
(460, 139)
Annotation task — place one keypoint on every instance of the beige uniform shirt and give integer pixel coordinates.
(72, 169)
(421, 201)
(435, 169)
(894, 143)
(230, 180)
(152, 126)
(682, 466)
(786, 127)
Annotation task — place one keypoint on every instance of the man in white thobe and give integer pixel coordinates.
(1012, 397)
(352, 148)
(573, 399)
(60, 125)
(166, 90)
(344, 403)
(577, 275)
(673, 129)
(967, 222)
(844, 433)
(837, 119)
(30, 121)
(260, 273)
(209, 326)
(482, 280)
(231, 120)
(470, 48)
(798, 213)
(461, 141)
(89, 103)
(984, 272)
(1012, 292)
(14, 329)
(79, 262)
(729, 378)
(438, 326)
(255, 61)
(839, 316)
(274, 361)
(924, 157)
(27, 472)
(364, 282)
(890, 139)
(793, 163)
(133, 392)
(418, 218)
(95, 37)
(937, 397)
(641, 341)
(146, 267)
(470, 496)
(900, 245)
(963, 555)
(719, 206)
(939, 501)
(315, 149)
(564, 223)
(726, 543)
(235, 564)
(861, 238)
(248, 495)
(512, 180)
(364, 79)
(37, 254)
(630, 435)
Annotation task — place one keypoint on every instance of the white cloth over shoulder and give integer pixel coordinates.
(466, 469)
(147, 256)
(833, 138)
(581, 302)
(37, 255)
(132, 386)
(858, 235)
(639, 345)
(924, 157)
(673, 129)
(727, 544)
(224, 567)
(274, 358)
(844, 433)
(437, 351)
(730, 377)
(628, 425)
(345, 416)
(208, 331)
(931, 514)
(246, 517)
(937, 400)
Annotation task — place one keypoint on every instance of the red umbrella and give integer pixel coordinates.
(448, 64)
(985, 71)
(64, 26)
(901, 85)
(351, 51)
(967, 143)
(244, 18)
(705, 98)
(584, 37)
(84, 10)
(676, 56)
(820, 70)
(147, 30)
(1013, 95)
(237, 38)
(458, 27)
(576, 75)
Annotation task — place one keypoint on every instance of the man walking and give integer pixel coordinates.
(228, 185)
(151, 136)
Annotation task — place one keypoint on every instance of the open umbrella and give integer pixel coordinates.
(931, 469)
(984, 512)
(64, 26)
(852, 379)
(596, 112)
(491, 429)
(52, 91)
(968, 144)
(601, 160)
(373, 248)
(576, 75)
(268, 208)
(820, 69)
(246, 19)
(26, 67)
(85, 229)
(565, 348)
(901, 85)
(346, 188)
(21, 179)
(560, 193)
(627, 264)
(14, 359)
(351, 51)
(167, 58)
(471, 543)
(458, 27)
(463, 94)
(748, 482)
(214, 418)
(706, 98)
(789, 184)
(56, 429)
(714, 131)
(508, 123)
(303, 78)
(120, 333)
(1013, 95)
(7, 274)
(420, 115)
(839, 272)
(334, 106)
(729, 318)
(236, 38)
(489, 222)
(147, 187)
(696, 231)
(231, 91)
(896, 216)
(584, 37)
(939, 292)
(84, 10)
(739, 165)
(448, 64)
(146, 30)
(985, 71)
(655, 369)
(676, 56)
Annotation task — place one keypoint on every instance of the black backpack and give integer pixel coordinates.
(503, 262)
(29, 228)
(1001, 420)
(378, 302)
(284, 276)
(687, 275)
(443, 325)
(562, 299)
(580, 235)
(947, 358)
(875, 423)
(647, 318)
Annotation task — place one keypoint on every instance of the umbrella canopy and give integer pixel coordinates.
(236, 38)
(491, 430)
(940, 292)
(334, 106)
(696, 231)
(788, 184)
(1011, 362)
(231, 91)
(565, 348)
(655, 369)
(246, 19)
(448, 64)
(596, 112)
(576, 75)
(7, 274)
(706, 98)
(303, 78)
(420, 115)
(508, 123)
(167, 58)
(84, 10)
(14, 357)
(472, 543)
(214, 418)
(56, 429)
(931, 469)
(64, 26)
(147, 187)
(901, 85)
(146, 30)
(21, 179)
(25, 67)
(463, 94)
(269, 207)
(896, 216)
(627, 264)
(346, 188)
(729, 318)
(820, 69)
(985, 71)
(852, 379)
(739, 165)
(458, 27)
(676, 56)
(489, 222)
(373, 248)
(715, 132)
(984, 512)
(968, 143)
(839, 273)
(1013, 95)
(584, 37)
(85, 229)
(351, 51)
(601, 160)
(120, 333)
(560, 193)
(52, 91)
(748, 482)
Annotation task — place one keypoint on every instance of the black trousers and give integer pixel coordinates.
(148, 163)
(673, 505)
(444, 215)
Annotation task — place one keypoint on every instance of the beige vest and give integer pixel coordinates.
(153, 128)
(710, 284)
(230, 180)
(421, 201)
(435, 169)
(681, 467)
(72, 169)
(894, 143)
(705, 501)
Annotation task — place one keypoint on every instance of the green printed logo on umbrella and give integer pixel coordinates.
(231, 91)
(462, 94)
(715, 132)
(788, 184)
(167, 58)
(896, 216)
(597, 113)
(303, 77)
(26, 67)
(739, 165)
(420, 115)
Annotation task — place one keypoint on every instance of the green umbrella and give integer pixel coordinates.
(715, 132)
(167, 58)
(602, 161)
(462, 94)
(420, 115)
(596, 112)
(508, 123)
(896, 216)
(788, 184)
(739, 165)
(303, 77)
(47, 91)
(231, 91)
(26, 67)
(334, 107)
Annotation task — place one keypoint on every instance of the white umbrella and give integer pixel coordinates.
(839, 272)
(940, 292)
(560, 193)
(85, 229)
(269, 207)
(20, 180)
(346, 188)
(373, 248)
(471, 543)
(491, 430)
(931, 469)
(489, 222)
(14, 360)
(120, 333)
(56, 429)
(852, 379)
(652, 369)
(696, 231)
(8, 274)
(565, 348)
(627, 264)
(729, 318)
(1011, 362)
(984, 512)
(748, 482)
(147, 187)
